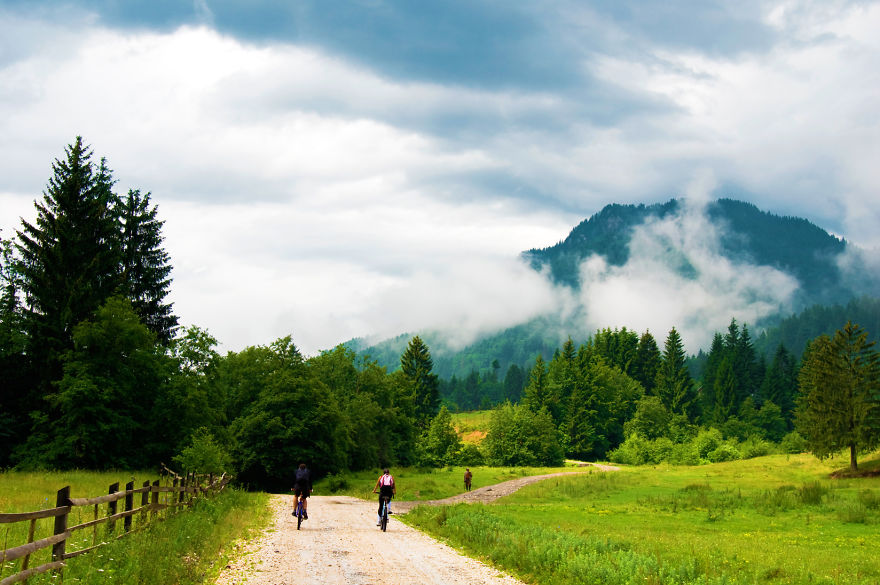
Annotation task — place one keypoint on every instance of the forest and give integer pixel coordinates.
(98, 374)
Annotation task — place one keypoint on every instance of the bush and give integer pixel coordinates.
(633, 451)
(706, 441)
(336, 483)
(724, 452)
(470, 455)
(793, 443)
(755, 447)
(204, 455)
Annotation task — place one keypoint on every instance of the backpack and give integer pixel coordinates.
(386, 480)
(302, 477)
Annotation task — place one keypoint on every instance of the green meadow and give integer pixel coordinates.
(416, 483)
(776, 519)
(186, 548)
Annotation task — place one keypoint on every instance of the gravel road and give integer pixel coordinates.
(340, 544)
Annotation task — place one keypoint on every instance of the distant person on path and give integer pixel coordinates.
(467, 479)
(302, 488)
(385, 488)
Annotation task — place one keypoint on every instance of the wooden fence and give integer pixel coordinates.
(156, 503)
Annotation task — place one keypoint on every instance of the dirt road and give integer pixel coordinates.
(340, 544)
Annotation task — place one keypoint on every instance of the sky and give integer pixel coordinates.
(330, 170)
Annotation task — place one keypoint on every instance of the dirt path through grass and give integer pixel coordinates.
(340, 544)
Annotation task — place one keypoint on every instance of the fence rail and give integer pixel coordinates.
(157, 502)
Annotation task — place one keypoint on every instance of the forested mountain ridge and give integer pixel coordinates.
(747, 234)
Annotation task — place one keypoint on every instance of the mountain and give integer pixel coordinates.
(747, 235)
(742, 234)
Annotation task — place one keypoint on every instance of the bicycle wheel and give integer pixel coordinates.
(299, 515)
(385, 516)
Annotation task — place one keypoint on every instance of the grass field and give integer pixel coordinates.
(472, 426)
(774, 519)
(425, 484)
(203, 536)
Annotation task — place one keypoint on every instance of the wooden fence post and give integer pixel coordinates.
(154, 500)
(145, 499)
(174, 495)
(129, 505)
(62, 500)
(111, 509)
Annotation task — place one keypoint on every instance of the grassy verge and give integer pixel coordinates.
(426, 483)
(187, 548)
(768, 520)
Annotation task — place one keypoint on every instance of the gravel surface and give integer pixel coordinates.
(340, 544)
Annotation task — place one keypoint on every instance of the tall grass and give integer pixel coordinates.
(773, 520)
(189, 547)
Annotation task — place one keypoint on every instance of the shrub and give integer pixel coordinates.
(337, 482)
(204, 455)
(470, 455)
(724, 452)
(793, 443)
(754, 447)
(633, 451)
(706, 441)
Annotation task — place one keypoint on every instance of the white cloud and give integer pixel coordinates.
(305, 194)
(650, 293)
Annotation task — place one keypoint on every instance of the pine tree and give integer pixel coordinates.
(839, 402)
(724, 390)
(70, 257)
(417, 365)
(674, 384)
(537, 392)
(647, 362)
(780, 382)
(145, 264)
(713, 364)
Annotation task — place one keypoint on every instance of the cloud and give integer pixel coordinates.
(315, 182)
(676, 276)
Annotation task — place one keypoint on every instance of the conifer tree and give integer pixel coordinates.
(780, 382)
(674, 384)
(537, 392)
(416, 365)
(145, 264)
(70, 257)
(647, 362)
(713, 363)
(839, 402)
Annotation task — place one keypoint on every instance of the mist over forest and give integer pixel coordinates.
(691, 263)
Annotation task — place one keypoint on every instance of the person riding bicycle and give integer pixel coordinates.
(386, 489)
(302, 488)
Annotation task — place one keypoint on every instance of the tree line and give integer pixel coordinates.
(98, 374)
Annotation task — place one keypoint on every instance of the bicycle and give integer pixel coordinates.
(383, 518)
(299, 511)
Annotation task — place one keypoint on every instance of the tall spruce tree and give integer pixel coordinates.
(145, 264)
(417, 365)
(780, 382)
(674, 384)
(710, 374)
(13, 360)
(647, 362)
(70, 258)
(839, 402)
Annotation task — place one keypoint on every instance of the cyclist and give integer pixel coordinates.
(386, 489)
(302, 488)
